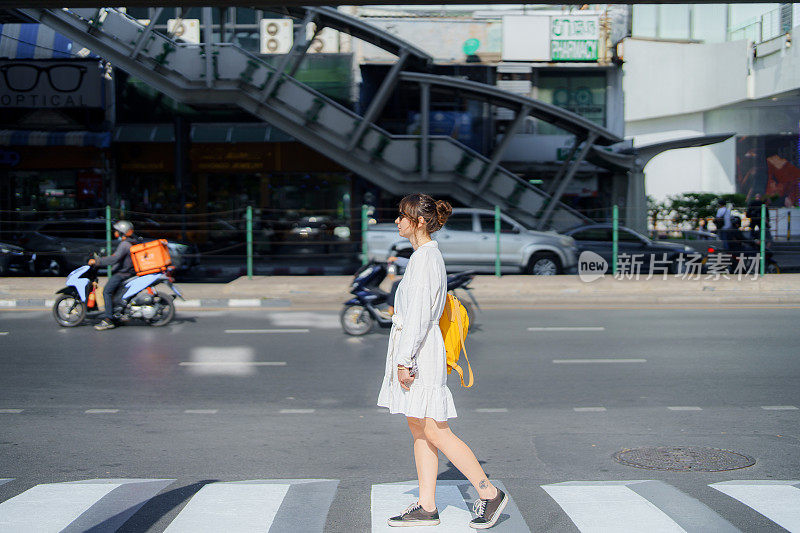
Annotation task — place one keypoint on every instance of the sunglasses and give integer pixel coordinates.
(402, 215)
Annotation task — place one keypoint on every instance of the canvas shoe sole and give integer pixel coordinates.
(495, 516)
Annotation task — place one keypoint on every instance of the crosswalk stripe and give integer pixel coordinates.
(777, 500)
(257, 505)
(390, 499)
(633, 506)
(104, 504)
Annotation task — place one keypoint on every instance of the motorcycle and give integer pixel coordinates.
(140, 298)
(360, 314)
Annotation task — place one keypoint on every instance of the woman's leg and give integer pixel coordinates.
(426, 457)
(439, 435)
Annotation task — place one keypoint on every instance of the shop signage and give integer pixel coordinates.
(51, 84)
(574, 38)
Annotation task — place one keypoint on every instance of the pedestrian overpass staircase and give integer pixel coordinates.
(224, 74)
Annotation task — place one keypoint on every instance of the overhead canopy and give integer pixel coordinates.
(101, 139)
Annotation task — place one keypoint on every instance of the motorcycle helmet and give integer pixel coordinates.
(123, 227)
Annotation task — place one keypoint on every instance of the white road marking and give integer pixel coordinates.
(267, 330)
(568, 328)
(3, 333)
(49, 303)
(8, 303)
(187, 303)
(244, 302)
(577, 361)
(779, 407)
(452, 497)
(11, 411)
(609, 506)
(305, 318)
(92, 505)
(201, 411)
(233, 507)
(230, 361)
(589, 409)
(686, 408)
(777, 500)
(296, 411)
(390, 499)
(492, 410)
(101, 411)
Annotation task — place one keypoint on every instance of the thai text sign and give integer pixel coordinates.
(574, 38)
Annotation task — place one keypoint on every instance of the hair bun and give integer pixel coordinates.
(443, 211)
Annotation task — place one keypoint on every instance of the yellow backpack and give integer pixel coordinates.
(454, 325)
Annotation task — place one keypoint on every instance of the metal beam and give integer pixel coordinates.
(555, 198)
(501, 148)
(424, 124)
(300, 41)
(554, 183)
(208, 34)
(146, 33)
(379, 101)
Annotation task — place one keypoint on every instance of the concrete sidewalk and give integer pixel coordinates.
(329, 292)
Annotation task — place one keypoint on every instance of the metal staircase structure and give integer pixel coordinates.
(224, 74)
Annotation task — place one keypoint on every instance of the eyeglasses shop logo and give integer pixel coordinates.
(591, 266)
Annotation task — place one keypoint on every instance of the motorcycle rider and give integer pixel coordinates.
(121, 269)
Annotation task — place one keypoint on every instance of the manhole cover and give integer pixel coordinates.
(684, 459)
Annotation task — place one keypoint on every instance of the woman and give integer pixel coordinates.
(415, 381)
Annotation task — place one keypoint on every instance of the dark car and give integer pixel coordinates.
(598, 238)
(703, 242)
(59, 246)
(12, 258)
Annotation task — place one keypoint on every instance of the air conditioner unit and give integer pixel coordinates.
(186, 30)
(326, 42)
(277, 36)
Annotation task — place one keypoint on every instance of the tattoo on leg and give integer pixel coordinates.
(484, 484)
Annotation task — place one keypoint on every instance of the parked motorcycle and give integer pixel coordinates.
(140, 298)
(360, 314)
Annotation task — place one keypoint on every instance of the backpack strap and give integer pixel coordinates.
(464, 348)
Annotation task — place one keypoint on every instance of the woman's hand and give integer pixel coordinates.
(404, 377)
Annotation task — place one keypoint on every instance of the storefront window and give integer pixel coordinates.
(581, 93)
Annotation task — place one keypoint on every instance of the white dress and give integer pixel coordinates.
(416, 340)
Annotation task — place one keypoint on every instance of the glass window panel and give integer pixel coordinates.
(593, 234)
(487, 224)
(581, 93)
(708, 22)
(673, 21)
(627, 236)
(644, 20)
(461, 222)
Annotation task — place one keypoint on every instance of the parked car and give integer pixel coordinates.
(12, 258)
(703, 242)
(467, 242)
(598, 238)
(59, 246)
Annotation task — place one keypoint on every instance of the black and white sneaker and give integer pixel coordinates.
(488, 511)
(415, 515)
(105, 324)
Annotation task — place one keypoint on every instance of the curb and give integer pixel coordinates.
(215, 303)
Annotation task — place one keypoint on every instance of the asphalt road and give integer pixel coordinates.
(175, 421)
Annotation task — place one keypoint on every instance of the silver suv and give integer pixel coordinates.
(467, 242)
